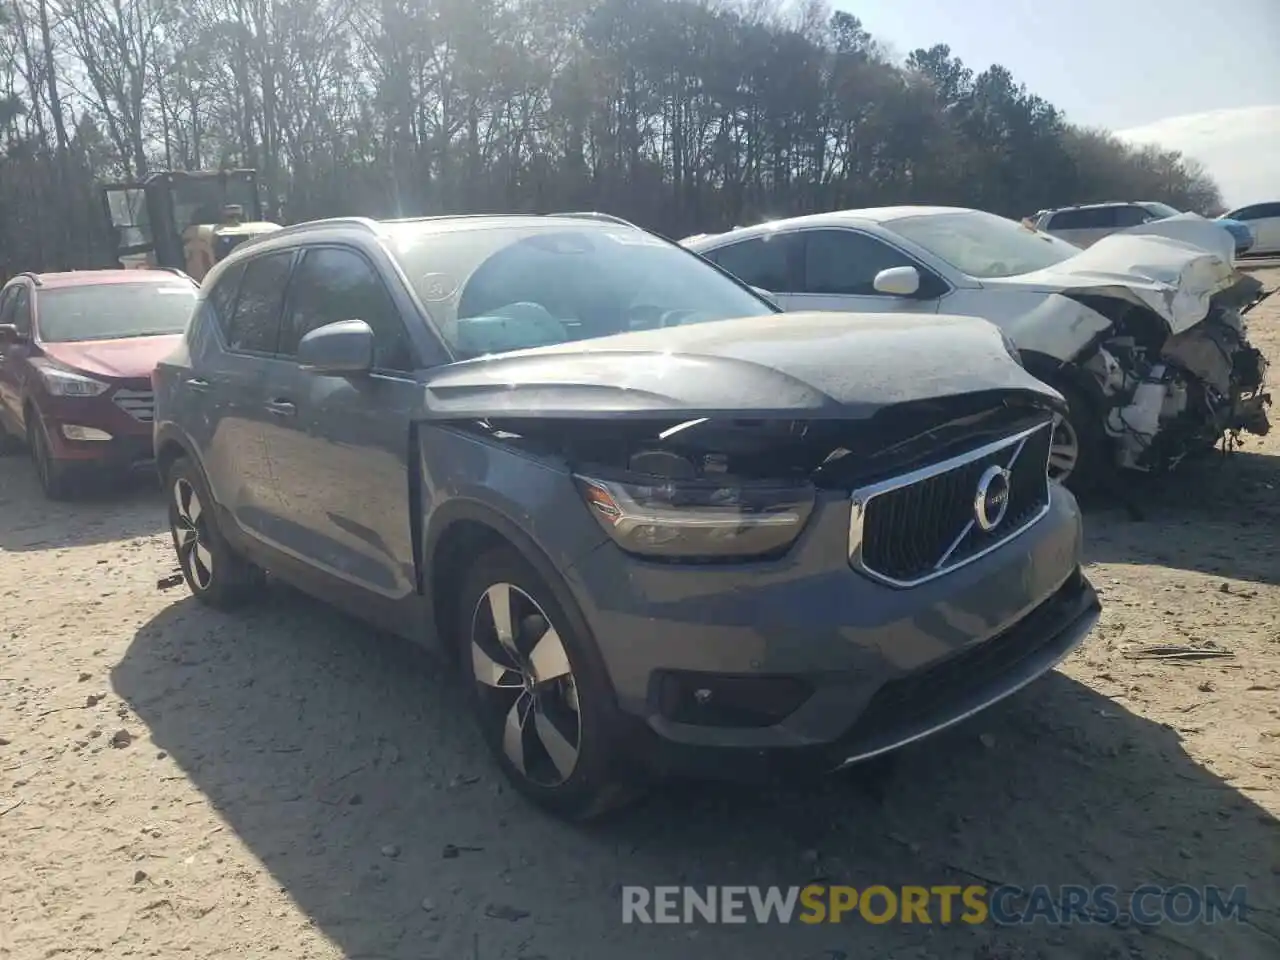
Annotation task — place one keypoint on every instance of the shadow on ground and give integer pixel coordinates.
(101, 511)
(1219, 516)
(321, 743)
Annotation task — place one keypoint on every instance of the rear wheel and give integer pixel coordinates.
(538, 689)
(215, 573)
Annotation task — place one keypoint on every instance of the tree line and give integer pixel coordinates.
(682, 115)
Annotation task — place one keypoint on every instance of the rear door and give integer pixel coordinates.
(771, 262)
(839, 268)
(339, 445)
(232, 385)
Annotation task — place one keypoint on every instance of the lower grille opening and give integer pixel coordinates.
(718, 700)
(900, 702)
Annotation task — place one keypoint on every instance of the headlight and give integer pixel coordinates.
(64, 383)
(698, 519)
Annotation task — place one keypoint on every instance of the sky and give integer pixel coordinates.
(1169, 71)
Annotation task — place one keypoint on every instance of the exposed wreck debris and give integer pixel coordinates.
(830, 454)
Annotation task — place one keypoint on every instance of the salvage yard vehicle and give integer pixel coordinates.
(664, 528)
(184, 219)
(1143, 333)
(76, 354)
(1085, 225)
(1264, 220)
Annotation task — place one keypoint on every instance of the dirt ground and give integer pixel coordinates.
(289, 783)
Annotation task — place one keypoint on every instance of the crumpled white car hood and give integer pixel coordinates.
(1173, 266)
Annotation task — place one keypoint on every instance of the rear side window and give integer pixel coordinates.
(1130, 216)
(333, 284)
(1091, 218)
(764, 262)
(255, 323)
(1266, 211)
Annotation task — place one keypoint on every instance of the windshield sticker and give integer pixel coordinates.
(434, 287)
(636, 239)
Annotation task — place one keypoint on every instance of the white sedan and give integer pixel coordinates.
(1264, 220)
(1140, 332)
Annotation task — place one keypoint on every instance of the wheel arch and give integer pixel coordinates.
(460, 530)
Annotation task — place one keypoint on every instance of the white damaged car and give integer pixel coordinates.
(1143, 333)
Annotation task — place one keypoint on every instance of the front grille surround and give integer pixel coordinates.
(139, 404)
(910, 529)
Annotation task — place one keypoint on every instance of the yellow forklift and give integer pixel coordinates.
(187, 220)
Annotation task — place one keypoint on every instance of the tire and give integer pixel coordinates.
(55, 478)
(215, 573)
(9, 443)
(1083, 427)
(544, 704)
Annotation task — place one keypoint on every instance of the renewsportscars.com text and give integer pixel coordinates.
(941, 904)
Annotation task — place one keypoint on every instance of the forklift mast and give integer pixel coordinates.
(151, 216)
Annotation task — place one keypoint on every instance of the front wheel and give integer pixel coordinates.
(1078, 450)
(54, 475)
(214, 572)
(538, 690)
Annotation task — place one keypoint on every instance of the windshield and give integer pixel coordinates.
(200, 200)
(1161, 210)
(111, 311)
(983, 245)
(499, 288)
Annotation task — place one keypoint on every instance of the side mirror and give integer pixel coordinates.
(337, 349)
(766, 295)
(10, 334)
(898, 281)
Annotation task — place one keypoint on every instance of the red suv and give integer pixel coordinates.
(76, 354)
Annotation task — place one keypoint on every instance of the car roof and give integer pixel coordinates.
(856, 217)
(93, 278)
(1101, 206)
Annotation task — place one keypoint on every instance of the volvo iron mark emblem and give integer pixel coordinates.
(991, 500)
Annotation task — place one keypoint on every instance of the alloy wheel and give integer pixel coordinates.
(191, 534)
(522, 668)
(1064, 449)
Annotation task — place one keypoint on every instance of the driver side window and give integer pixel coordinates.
(22, 311)
(845, 263)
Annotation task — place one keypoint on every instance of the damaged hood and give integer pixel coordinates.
(1175, 275)
(816, 364)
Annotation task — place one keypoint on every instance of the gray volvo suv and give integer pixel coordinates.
(663, 528)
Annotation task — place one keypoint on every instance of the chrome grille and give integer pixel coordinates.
(913, 528)
(139, 404)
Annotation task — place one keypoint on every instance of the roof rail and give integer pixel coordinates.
(34, 277)
(364, 223)
(594, 215)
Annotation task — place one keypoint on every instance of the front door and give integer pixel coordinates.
(839, 272)
(339, 445)
(13, 354)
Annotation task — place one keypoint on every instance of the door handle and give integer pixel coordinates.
(281, 408)
(197, 383)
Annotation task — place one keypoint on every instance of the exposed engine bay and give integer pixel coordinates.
(1164, 396)
(829, 454)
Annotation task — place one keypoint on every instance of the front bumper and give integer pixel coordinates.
(868, 667)
(906, 709)
(131, 443)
